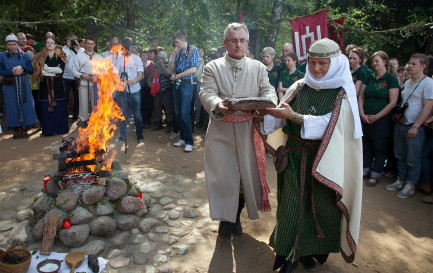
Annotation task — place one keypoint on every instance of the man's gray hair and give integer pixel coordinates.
(21, 33)
(235, 26)
(268, 50)
(71, 37)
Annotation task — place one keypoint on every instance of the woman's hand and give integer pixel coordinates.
(285, 111)
(372, 118)
(365, 119)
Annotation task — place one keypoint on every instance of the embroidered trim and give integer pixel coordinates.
(323, 146)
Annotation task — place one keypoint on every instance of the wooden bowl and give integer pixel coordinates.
(16, 268)
(49, 261)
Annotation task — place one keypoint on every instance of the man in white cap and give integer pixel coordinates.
(17, 91)
(320, 189)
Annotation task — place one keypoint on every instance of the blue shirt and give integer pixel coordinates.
(184, 62)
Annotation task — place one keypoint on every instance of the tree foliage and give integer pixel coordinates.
(395, 26)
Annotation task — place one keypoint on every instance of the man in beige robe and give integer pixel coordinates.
(230, 164)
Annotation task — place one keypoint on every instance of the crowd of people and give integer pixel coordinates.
(383, 117)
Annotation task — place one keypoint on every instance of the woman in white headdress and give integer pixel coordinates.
(320, 190)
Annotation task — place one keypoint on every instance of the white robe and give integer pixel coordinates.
(230, 157)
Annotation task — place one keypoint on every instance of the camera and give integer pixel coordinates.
(123, 76)
(74, 43)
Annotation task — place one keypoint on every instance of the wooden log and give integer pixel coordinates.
(50, 231)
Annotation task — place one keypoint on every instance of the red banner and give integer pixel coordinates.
(306, 30)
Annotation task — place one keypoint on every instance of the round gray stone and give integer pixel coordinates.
(181, 202)
(120, 238)
(165, 200)
(137, 238)
(165, 269)
(20, 232)
(22, 215)
(43, 204)
(147, 200)
(81, 216)
(159, 258)
(93, 194)
(179, 232)
(116, 188)
(169, 239)
(38, 230)
(67, 199)
(104, 208)
(171, 223)
(119, 262)
(181, 249)
(147, 224)
(52, 188)
(93, 247)
(190, 213)
(162, 229)
(126, 221)
(129, 205)
(141, 259)
(103, 226)
(169, 206)
(132, 191)
(74, 236)
(173, 215)
(145, 248)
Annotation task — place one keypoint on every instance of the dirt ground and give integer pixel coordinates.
(396, 234)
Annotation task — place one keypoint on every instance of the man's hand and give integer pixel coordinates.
(285, 111)
(173, 78)
(222, 107)
(412, 132)
(130, 82)
(428, 121)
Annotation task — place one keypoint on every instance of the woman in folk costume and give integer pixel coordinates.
(17, 92)
(49, 65)
(319, 192)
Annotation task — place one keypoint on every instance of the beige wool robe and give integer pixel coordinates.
(229, 157)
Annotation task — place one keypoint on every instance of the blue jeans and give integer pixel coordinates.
(408, 152)
(130, 103)
(374, 151)
(182, 97)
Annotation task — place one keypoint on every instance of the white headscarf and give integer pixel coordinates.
(338, 75)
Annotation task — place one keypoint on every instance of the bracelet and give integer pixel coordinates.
(413, 126)
(299, 119)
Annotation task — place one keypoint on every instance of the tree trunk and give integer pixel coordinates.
(130, 17)
(277, 11)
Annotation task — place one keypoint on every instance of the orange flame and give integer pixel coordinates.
(102, 122)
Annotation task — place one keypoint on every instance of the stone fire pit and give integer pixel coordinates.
(95, 209)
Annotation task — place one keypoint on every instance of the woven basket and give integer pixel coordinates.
(16, 268)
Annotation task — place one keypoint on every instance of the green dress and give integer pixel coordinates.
(328, 215)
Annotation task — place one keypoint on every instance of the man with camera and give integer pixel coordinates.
(409, 134)
(71, 49)
(183, 63)
(130, 69)
(82, 71)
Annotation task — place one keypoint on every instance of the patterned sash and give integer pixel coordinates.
(260, 157)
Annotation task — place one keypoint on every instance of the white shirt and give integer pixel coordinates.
(81, 65)
(424, 91)
(70, 55)
(131, 66)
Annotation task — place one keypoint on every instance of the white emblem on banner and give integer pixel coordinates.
(304, 37)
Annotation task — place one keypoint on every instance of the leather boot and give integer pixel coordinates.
(224, 230)
(17, 133)
(237, 227)
(24, 133)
